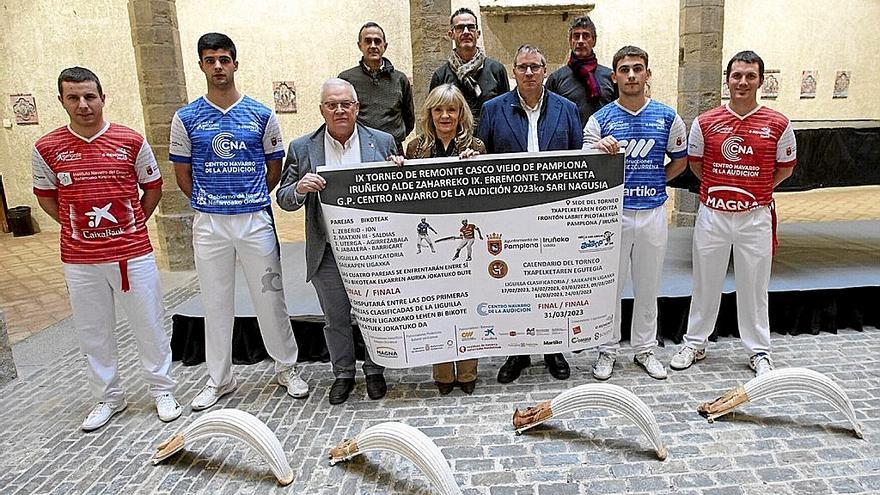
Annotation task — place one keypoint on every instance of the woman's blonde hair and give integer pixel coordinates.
(446, 94)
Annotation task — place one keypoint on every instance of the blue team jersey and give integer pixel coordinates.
(647, 136)
(228, 151)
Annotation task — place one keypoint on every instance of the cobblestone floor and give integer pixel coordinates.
(790, 445)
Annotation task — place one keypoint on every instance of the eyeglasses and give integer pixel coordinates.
(459, 28)
(331, 106)
(523, 68)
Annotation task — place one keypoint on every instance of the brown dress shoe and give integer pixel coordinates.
(444, 388)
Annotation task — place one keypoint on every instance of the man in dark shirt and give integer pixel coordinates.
(385, 94)
(477, 76)
(583, 80)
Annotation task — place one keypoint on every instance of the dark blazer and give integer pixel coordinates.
(504, 127)
(304, 155)
(563, 83)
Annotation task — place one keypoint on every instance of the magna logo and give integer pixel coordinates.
(387, 352)
(732, 148)
(637, 148)
(224, 147)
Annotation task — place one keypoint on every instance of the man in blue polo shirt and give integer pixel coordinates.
(647, 131)
(227, 149)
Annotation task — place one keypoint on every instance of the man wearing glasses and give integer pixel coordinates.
(227, 151)
(386, 101)
(532, 119)
(477, 76)
(340, 142)
(582, 80)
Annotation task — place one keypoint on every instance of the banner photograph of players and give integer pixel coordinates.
(647, 131)
(422, 230)
(467, 239)
(740, 152)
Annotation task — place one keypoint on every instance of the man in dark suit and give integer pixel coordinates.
(339, 142)
(530, 118)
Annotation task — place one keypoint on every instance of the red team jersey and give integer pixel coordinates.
(740, 155)
(96, 182)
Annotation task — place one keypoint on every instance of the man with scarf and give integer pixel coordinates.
(386, 101)
(583, 80)
(477, 76)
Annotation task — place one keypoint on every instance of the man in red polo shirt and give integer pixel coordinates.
(87, 177)
(740, 152)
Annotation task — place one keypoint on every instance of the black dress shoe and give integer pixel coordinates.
(444, 388)
(340, 390)
(558, 366)
(468, 387)
(511, 368)
(376, 386)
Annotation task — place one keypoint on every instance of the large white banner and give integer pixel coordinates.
(449, 259)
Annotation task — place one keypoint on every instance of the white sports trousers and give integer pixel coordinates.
(643, 237)
(217, 240)
(750, 234)
(94, 289)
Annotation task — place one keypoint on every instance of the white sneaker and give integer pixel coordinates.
(168, 407)
(685, 357)
(296, 386)
(101, 414)
(210, 394)
(651, 364)
(604, 366)
(761, 363)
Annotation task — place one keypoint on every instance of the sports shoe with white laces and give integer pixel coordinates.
(210, 395)
(296, 386)
(167, 407)
(761, 363)
(685, 357)
(651, 364)
(100, 414)
(604, 366)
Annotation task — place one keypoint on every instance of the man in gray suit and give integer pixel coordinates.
(339, 142)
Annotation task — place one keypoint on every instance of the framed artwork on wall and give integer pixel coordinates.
(841, 84)
(24, 107)
(808, 83)
(770, 88)
(284, 93)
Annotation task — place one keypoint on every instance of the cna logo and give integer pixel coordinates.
(637, 148)
(224, 147)
(387, 352)
(99, 214)
(733, 147)
(486, 309)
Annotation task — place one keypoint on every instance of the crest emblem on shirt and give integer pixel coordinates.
(65, 179)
